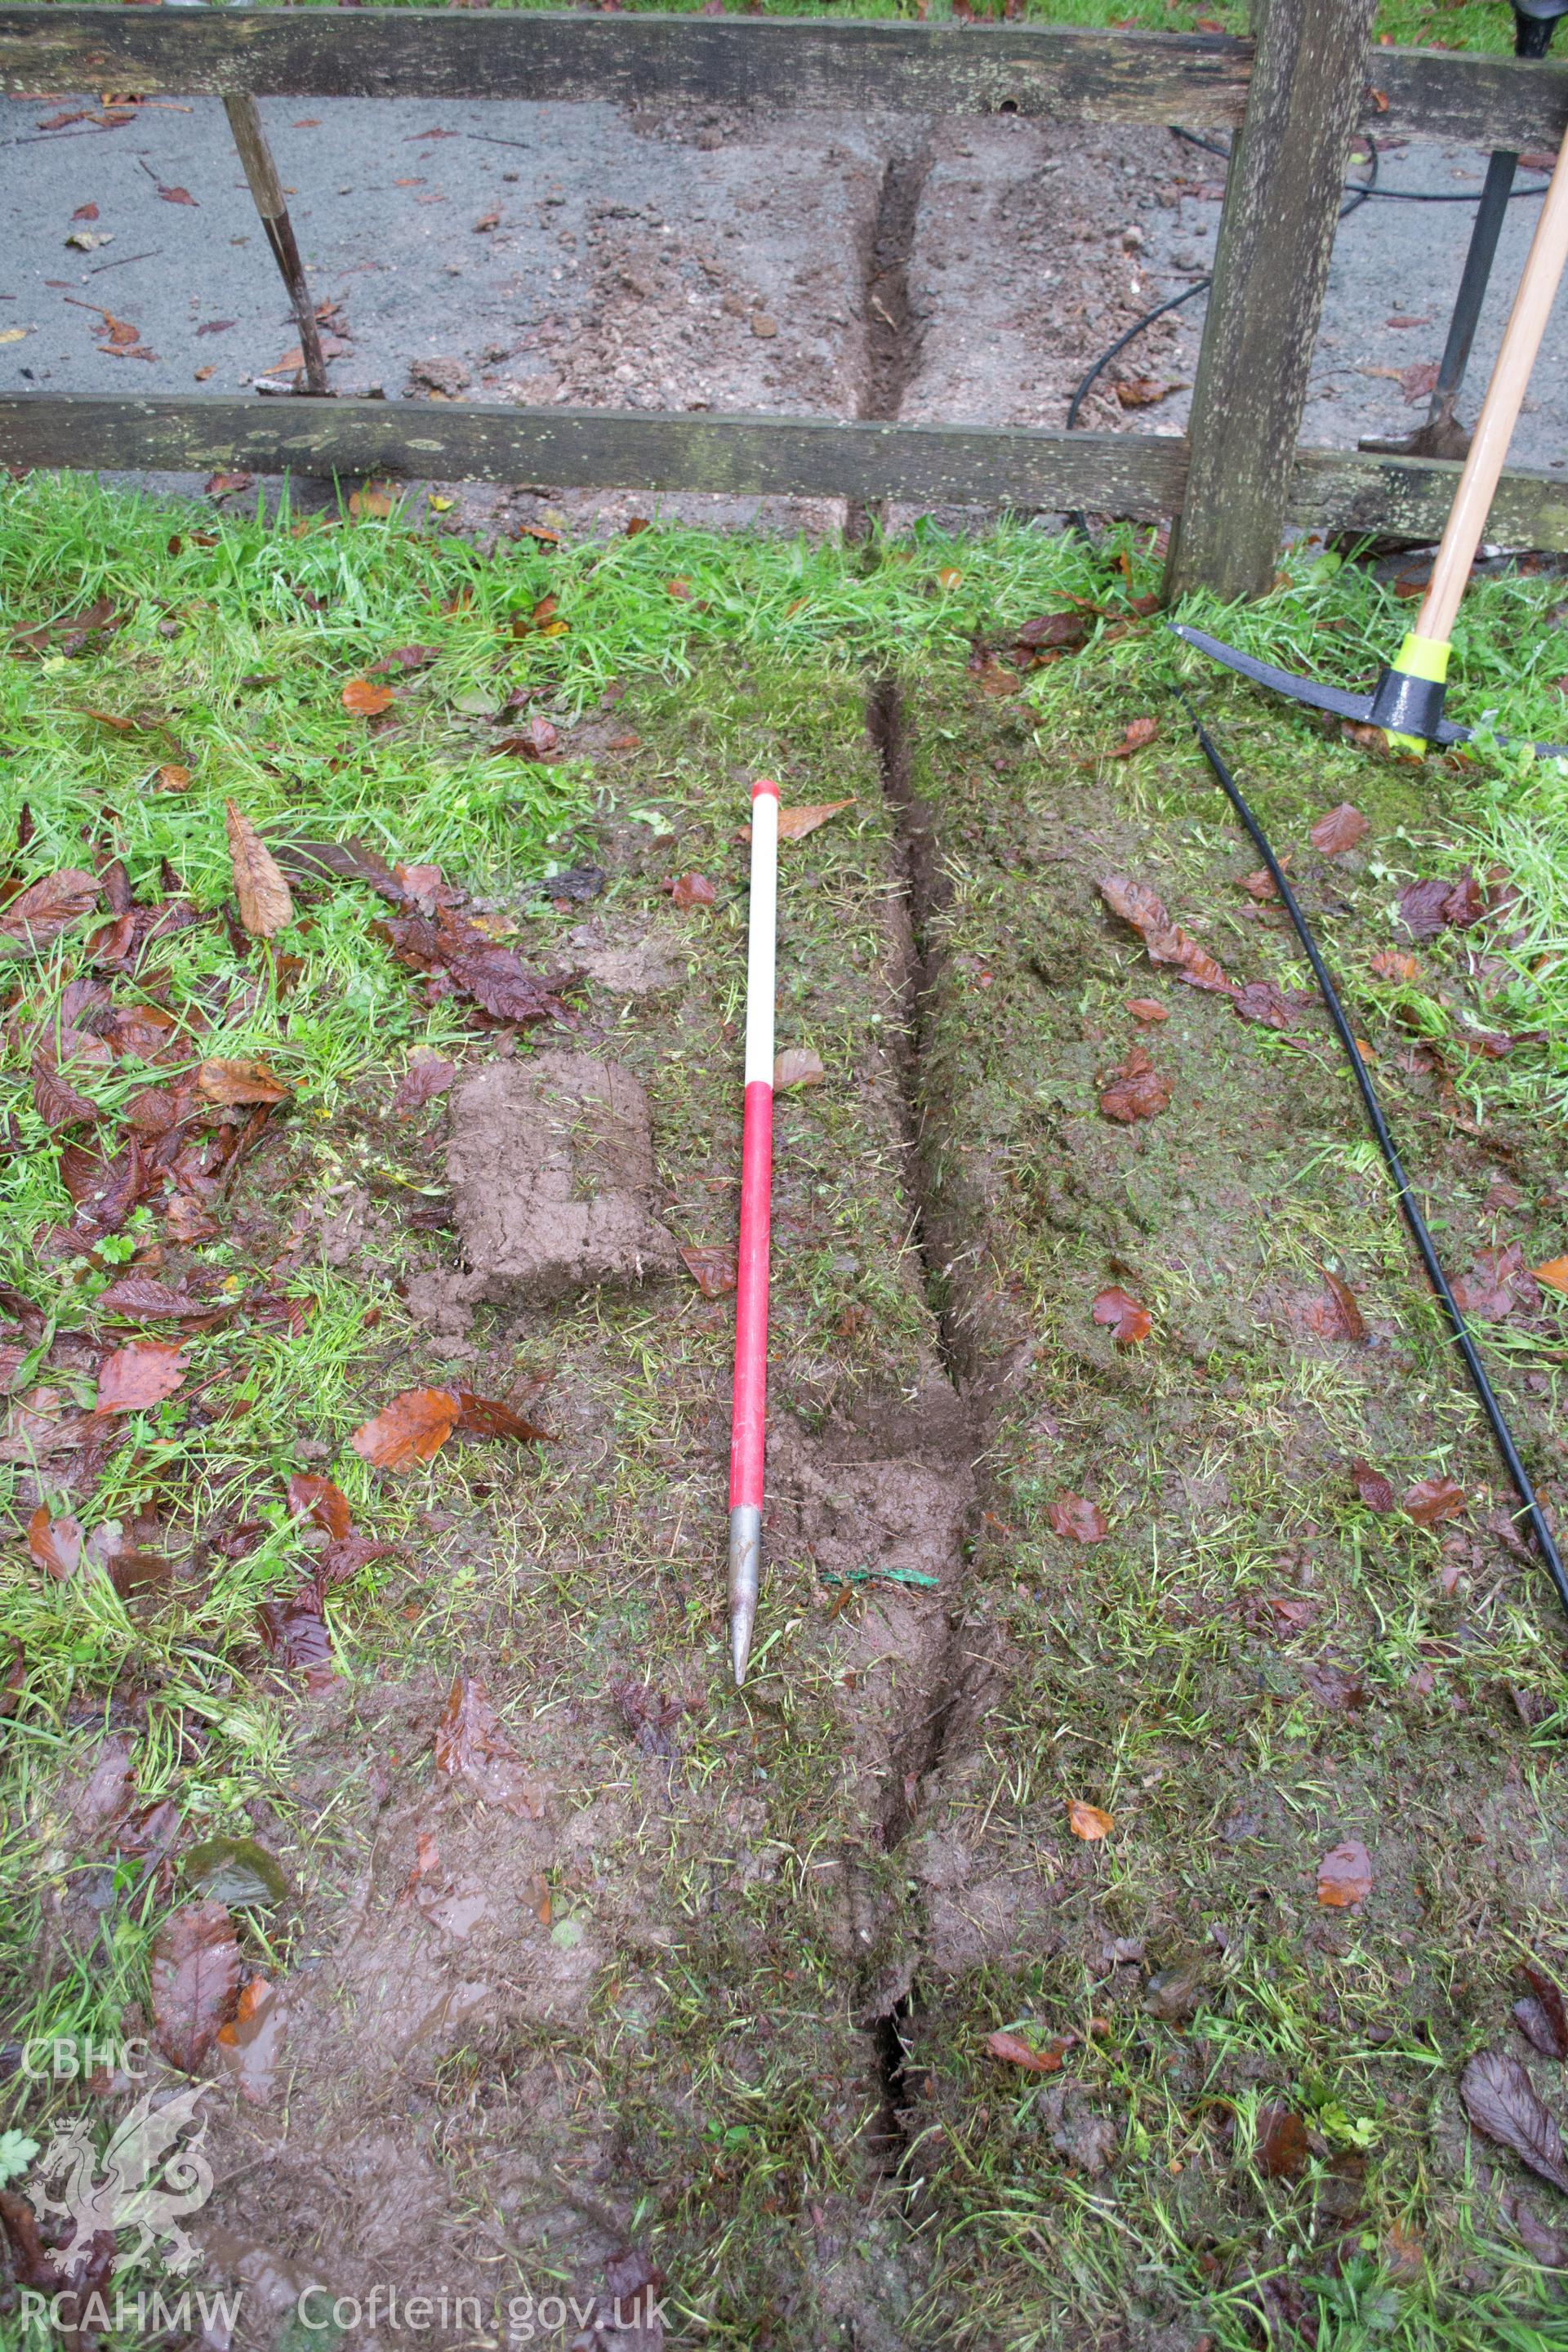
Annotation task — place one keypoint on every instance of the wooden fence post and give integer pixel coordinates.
(1282, 197)
(261, 172)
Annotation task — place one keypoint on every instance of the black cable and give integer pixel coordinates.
(1406, 1199)
(1076, 402)
(1361, 190)
(1387, 196)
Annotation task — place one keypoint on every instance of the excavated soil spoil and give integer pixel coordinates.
(550, 1165)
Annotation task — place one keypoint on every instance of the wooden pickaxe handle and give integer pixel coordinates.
(1500, 412)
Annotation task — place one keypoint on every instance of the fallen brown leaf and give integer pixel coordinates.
(1137, 736)
(1332, 1686)
(493, 975)
(1144, 392)
(1282, 2147)
(471, 1746)
(1496, 1285)
(249, 2046)
(712, 1270)
(1347, 1322)
(55, 1100)
(71, 631)
(346, 861)
(1345, 1875)
(1048, 635)
(426, 1076)
(1554, 1274)
(239, 1082)
(265, 905)
(797, 1065)
(105, 1190)
(1089, 1822)
(1502, 2101)
(109, 1788)
(344, 1557)
(539, 739)
(1145, 1008)
(1035, 2059)
(1338, 830)
(1165, 941)
(412, 1428)
(480, 1416)
(469, 1731)
(692, 890)
(1395, 963)
(145, 1298)
(311, 1497)
(140, 1375)
(1129, 1321)
(1429, 907)
(794, 823)
(195, 1979)
(1431, 1500)
(1136, 1091)
(1541, 2016)
(417, 1425)
(36, 915)
(295, 1632)
(55, 1542)
(1371, 1486)
(188, 1222)
(404, 657)
(1263, 1002)
(1074, 1515)
(365, 698)
(1330, 1313)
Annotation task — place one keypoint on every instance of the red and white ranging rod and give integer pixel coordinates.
(748, 1442)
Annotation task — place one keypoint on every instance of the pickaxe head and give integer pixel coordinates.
(1404, 704)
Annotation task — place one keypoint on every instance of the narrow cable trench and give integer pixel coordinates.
(892, 351)
(892, 338)
(892, 335)
(891, 2133)
(935, 1709)
(920, 901)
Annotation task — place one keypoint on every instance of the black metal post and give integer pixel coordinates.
(1442, 435)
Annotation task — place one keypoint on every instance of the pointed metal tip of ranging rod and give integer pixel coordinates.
(746, 1563)
(1318, 696)
(741, 1643)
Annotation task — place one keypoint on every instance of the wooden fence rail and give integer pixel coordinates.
(1141, 475)
(1061, 72)
(1293, 103)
